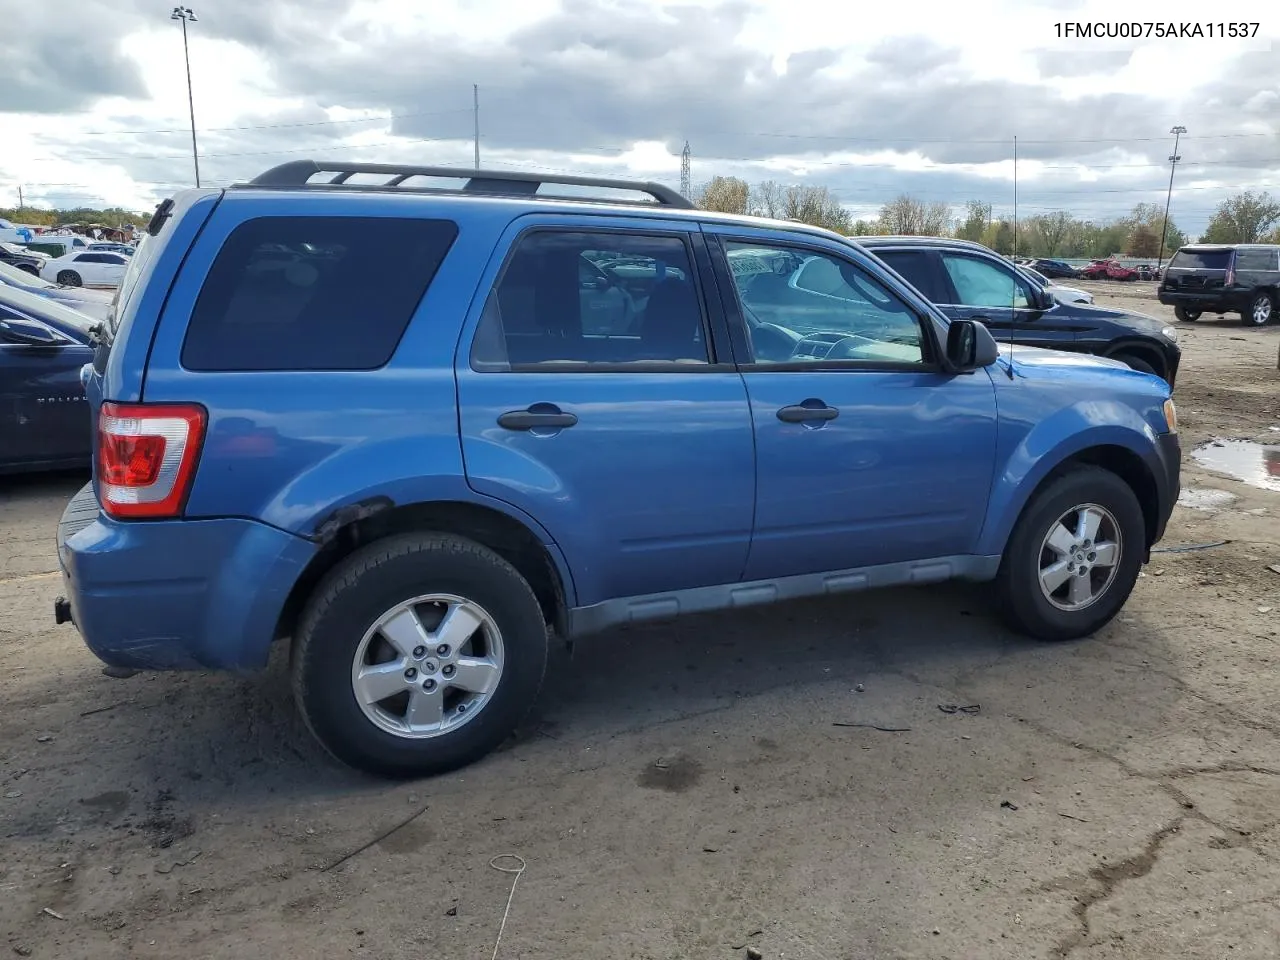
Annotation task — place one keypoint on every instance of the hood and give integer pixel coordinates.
(1029, 359)
(1138, 321)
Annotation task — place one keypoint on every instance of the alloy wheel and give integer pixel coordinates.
(1079, 557)
(427, 666)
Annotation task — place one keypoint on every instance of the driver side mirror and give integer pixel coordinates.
(29, 332)
(970, 346)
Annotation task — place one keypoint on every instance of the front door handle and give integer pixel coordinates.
(807, 412)
(539, 415)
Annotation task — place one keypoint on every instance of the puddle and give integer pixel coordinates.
(1203, 498)
(1254, 463)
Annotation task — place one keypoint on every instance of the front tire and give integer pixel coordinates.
(1136, 363)
(1185, 315)
(69, 278)
(1261, 311)
(418, 654)
(1074, 556)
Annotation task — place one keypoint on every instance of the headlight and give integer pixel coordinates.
(1169, 333)
(1171, 416)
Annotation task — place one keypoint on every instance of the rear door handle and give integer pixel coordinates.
(808, 411)
(539, 415)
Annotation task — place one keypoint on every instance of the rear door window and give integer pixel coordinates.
(1201, 259)
(313, 293)
(1259, 258)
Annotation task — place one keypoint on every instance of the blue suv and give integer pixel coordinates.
(418, 419)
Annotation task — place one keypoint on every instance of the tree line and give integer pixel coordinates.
(1243, 218)
(108, 217)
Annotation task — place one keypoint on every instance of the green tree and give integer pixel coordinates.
(977, 218)
(1143, 241)
(1046, 234)
(1244, 218)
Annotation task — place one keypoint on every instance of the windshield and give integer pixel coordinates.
(1202, 259)
(129, 282)
(10, 274)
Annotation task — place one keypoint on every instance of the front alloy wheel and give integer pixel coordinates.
(1078, 557)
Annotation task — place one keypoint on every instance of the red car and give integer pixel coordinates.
(1108, 270)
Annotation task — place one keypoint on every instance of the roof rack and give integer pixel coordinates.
(299, 173)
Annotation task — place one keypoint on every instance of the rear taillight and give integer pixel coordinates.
(1230, 279)
(147, 456)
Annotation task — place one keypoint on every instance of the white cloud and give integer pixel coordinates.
(867, 99)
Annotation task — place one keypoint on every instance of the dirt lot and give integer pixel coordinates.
(682, 791)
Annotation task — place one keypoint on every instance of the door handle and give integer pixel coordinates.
(808, 411)
(544, 415)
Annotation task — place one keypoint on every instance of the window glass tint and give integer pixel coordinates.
(802, 305)
(592, 298)
(1201, 259)
(982, 284)
(916, 268)
(313, 293)
(1258, 258)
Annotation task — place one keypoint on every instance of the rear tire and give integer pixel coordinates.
(1261, 310)
(376, 595)
(69, 278)
(1185, 315)
(1034, 558)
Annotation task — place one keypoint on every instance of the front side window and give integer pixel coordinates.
(592, 299)
(801, 305)
(980, 283)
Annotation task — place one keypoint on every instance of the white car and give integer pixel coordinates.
(1060, 293)
(97, 268)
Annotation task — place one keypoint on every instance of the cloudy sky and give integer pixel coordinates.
(867, 99)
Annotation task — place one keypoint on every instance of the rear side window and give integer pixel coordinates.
(1201, 259)
(917, 268)
(1258, 258)
(313, 293)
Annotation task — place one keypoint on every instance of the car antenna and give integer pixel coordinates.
(1013, 294)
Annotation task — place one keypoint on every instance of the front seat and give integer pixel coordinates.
(672, 323)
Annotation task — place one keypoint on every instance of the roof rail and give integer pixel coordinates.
(299, 173)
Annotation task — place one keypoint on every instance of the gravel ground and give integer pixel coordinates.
(682, 791)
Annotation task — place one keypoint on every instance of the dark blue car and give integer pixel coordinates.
(420, 428)
(44, 419)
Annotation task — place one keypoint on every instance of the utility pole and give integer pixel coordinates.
(21, 203)
(1173, 165)
(686, 172)
(187, 14)
(475, 98)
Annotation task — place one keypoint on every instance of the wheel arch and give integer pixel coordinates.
(511, 538)
(1108, 452)
(1143, 350)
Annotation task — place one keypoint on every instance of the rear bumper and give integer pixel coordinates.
(175, 595)
(1211, 301)
(1168, 480)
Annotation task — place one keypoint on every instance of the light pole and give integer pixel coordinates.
(1173, 165)
(186, 14)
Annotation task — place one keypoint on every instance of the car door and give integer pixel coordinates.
(867, 452)
(634, 450)
(43, 415)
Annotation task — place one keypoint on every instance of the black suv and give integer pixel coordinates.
(1055, 269)
(968, 280)
(15, 255)
(1224, 278)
